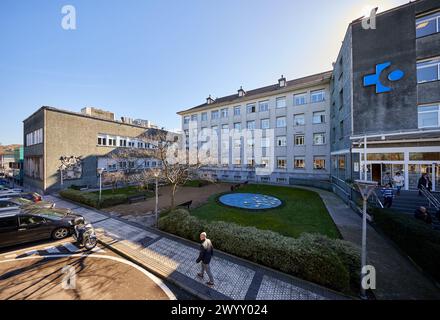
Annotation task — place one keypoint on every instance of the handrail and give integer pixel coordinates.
(432, 200)
(377, 200)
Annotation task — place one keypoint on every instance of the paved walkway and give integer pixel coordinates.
(174, 258)
(396, 275)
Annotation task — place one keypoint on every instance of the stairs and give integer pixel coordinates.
(408, 201)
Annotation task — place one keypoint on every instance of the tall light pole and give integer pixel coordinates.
(365, 188)
(156, 174)
(100, 171)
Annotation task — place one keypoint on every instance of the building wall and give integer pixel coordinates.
(68, 135)
(308, 151)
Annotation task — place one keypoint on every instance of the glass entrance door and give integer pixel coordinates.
(415, 171)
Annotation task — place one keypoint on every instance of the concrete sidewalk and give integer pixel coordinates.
(397, 276)
(173, 258)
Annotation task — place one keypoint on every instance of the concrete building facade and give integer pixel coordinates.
(386, 92)
(296, 112)
(83, 140)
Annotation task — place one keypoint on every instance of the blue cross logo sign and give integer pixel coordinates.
(374, 79)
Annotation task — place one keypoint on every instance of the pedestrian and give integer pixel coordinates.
(424, 182)
(388, 196)
(422, 214)
(399, 181)
(206, 253)
(387, 179)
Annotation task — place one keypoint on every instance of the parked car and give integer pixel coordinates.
(17, 227)
(8, 205)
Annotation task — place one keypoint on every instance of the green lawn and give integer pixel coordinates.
(303, 211)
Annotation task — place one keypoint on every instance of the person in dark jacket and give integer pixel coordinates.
(423, 214)
(424, 181)
(388, 196)
(206, 253)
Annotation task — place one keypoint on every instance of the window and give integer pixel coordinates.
(237, 126)
(429, 116)
(427, 25)
(237, 143)
(214, 129)
(122, 142)
(265, 179)
(29, 220)
(317, 96)
(281, 102)
(102, 141)
(319, 138)
(214, 114)
(237, 162)
(194, 117)
(281, 122)
(281, 141)
(265, 162)
(186, 119)
(319, 163)
(204, 116)
(250, 162)
(341, 99)
(333, 136)
(265, 143)
(112, 141)
(225, 128)
(341, 129)
(265, 123)
(341, 162)
(250, 143)
(428, 70)
(299, 140)
(237, 111)
(250, 108)
(263, 106)
(8, 222)
(281, 163)
(300, 99)
(224, 113)
(281, 180)
(299, 162)
(250, 125)
(34, 137)
(318, 117)
(299, 119)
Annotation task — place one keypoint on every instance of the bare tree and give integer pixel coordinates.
(114, 178)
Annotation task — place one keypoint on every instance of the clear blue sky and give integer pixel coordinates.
(149, 59)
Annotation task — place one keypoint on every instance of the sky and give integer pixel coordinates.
(149, 59)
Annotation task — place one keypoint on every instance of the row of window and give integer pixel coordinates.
(429, 116)
(35, 137)
(427, 25)
(299, 99)
(112, 141)
(299, 162)
(123, 165)
(281, 122)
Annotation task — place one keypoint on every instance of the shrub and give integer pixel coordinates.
(313, 257)
(92, 199)
(197, 183)
(416, 238)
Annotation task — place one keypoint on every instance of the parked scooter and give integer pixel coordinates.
(84, 233)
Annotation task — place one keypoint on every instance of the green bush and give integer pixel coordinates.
(313, 257)
(197, 183)
(416, 238)
(92, 199)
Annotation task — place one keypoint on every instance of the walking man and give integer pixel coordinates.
(206, 253)
(399, 181)
(388, 195)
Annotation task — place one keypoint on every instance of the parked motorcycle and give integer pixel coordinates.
(84, 233)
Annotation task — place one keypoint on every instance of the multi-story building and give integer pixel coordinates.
(295, 112)
(64, 148)
(385, 91)
(6, 159)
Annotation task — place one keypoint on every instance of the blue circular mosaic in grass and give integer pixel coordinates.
(253, 201)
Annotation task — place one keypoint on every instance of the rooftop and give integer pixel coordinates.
(271, 89)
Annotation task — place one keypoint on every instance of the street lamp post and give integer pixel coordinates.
(100, 171)
(156, 174)
(366, 188)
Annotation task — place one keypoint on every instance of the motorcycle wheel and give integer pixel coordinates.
(90, 243)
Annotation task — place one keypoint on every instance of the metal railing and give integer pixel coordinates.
(432, 199)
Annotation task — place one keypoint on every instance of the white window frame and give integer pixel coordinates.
(428, 18)
(263, 103)
(315, 93)
(299, 97)
(438, 115)
(281, 141)
(321, 115)
(247, 125)
(281, 99)
(278, 163)
(250, 107)
(303, 117)
(204, 116)
(237, 110)
(216, 113)
(298, 136)
(267, 120)
(436, 62)
(278, 124)
(323, 138)
(224, 112)
(303, 158)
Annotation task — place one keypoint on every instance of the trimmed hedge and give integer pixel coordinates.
(92, 199)
(197, 183)
(313, 257)
(416, 238)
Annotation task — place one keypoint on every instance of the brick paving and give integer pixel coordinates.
(174, 258)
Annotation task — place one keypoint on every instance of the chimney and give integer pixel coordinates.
(209, 100)
(241, 92)
(282, 81)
